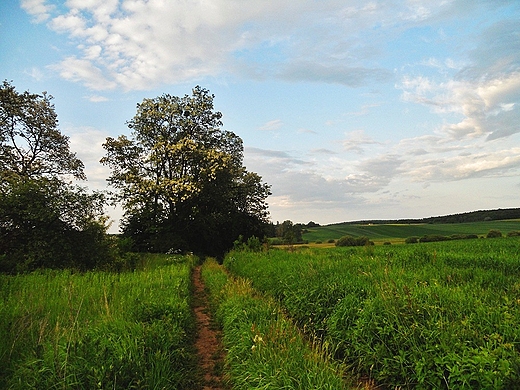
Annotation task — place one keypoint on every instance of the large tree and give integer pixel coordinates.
(31, 145)
(181, 177)
(44, 220)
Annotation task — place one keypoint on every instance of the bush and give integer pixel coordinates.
(514, 233)
(433, 238)
(494, 234)
(353, 241)
(252, 244)
(411, 240)
(331, 241)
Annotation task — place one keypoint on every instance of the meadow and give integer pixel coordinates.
(265, 350)
(440, 315)
(397, 233)
(99, 330)
(423, 316)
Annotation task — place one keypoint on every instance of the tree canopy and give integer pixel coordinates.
(44, 220)
(31, 146)
(181, 178)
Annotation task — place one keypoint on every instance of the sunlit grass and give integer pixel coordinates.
(417, 316)
(97, 329)
(263, 348)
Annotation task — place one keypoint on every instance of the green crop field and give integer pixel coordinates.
(398, 232)
(98, 330)
(425, 316)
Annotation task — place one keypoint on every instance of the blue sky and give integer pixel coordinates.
(349, 109)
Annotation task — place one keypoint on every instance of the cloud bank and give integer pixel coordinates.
(468, 82)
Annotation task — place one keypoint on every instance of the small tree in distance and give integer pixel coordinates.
(289, 232)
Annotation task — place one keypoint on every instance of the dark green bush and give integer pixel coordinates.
(353, 241)
(252, 244)
(493, 233)
(411, 240)
(514, 233)
(433, 238)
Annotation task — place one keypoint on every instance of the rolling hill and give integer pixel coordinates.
(477, 222)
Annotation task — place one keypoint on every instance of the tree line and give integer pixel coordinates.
(179, 177)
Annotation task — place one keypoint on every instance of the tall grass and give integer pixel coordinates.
(98, 330)
(439, 315)
(264, 349)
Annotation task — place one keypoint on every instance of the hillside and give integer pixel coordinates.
(477, 222)
(472, 216)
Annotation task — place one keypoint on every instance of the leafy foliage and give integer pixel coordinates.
(44, 222)
(43, 219)
(181, 180)
(31, 146)
(494, 234)
(289, 232)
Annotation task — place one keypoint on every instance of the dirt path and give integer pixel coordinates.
(207, 342)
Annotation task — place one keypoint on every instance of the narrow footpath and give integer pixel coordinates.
(211, 357)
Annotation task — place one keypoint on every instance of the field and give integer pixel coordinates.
(98, 330)
(424, 316)
(265, 350)
(398, 232)
(440, 315)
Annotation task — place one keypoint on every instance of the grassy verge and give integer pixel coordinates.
(264, 349)
(437, 315)
(98, 330)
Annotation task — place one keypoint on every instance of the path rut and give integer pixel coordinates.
(209, 349)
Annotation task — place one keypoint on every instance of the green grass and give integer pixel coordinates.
(398, 232)
(98, 330)
(264, 349)
(424, 316)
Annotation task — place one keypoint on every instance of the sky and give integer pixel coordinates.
(350, 109)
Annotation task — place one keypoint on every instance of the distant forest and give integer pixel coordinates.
(472, 216)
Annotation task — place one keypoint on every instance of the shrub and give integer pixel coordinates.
(514, 233)
(252, 244)
(411, 240)
(433, 238)
(331, 241)
(493, 233)
(387, 243)
(353, 241)
(463, 236)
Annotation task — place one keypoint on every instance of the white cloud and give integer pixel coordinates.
(465, 166)
(480, 104)
(35, 73)
(272, 125)
(37, 9)
(137, 44)
(96, 98)
(87, 143)
(355, 141)
(75, 69)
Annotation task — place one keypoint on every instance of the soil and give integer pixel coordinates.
(209, 349)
